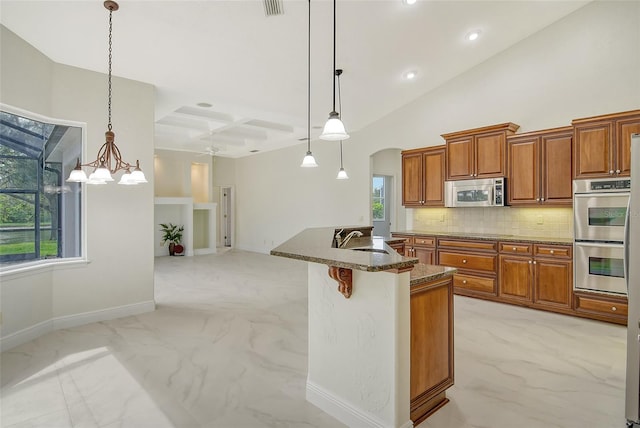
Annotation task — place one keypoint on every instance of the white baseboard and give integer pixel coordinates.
(345, 412)
(25, 335)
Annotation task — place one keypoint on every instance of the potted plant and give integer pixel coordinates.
(172, 234)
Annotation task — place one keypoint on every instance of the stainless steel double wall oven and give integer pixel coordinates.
(600, 212)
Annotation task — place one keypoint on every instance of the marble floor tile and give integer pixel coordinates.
(227, 348)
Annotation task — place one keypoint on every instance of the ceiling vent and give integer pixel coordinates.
(273, 7)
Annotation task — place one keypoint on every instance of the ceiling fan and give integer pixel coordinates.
(211, 151)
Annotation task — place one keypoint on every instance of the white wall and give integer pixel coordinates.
(585, 64)
(119, 219)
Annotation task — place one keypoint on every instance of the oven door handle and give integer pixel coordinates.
(625, 259)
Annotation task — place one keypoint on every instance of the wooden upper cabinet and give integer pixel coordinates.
(602, 144)
(478, 153)
(523, 177)
(460, 159)
(539, 168)
(434, 173)
(624, 129)
(412, 178)
(423, 172)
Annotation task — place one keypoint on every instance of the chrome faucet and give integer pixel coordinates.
(348, 237)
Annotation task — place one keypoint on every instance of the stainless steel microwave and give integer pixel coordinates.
(487, 192)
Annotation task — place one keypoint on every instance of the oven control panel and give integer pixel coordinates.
(610, 185)
(601, 185)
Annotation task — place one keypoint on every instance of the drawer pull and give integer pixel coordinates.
(551, 251)
(464, 260)
(464, 281)
(514, 249)
(613, 308)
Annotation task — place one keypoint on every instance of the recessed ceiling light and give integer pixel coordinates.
(254, 151)
(472, 35)
(410, 75)
(409, 2)
(206, 105)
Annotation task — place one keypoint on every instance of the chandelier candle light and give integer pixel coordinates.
(334, 128)
(309, 161)
(109, 160)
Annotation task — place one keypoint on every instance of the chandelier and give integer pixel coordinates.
(109, 160)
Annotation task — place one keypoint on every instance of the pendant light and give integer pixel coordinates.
(342, 174)
(334, 128)
(108, 160)
(309, 161)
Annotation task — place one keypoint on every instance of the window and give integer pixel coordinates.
(39, 212)
(377, 202)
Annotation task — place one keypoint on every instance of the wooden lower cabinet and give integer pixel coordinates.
(399, 247)
(431, 346)
(516, 278)
(476, 261)
(422, 247)
(602, 307)
(536, 275)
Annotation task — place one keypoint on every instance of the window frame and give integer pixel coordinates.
(30, 265)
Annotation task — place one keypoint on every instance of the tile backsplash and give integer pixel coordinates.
(538, 222)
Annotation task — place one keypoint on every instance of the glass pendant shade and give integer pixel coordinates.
(309, 161)
(126, 180)
(342, 174)
(102, 173)
(77, 176)
(137, 176)
(95, 180)
(334, 129)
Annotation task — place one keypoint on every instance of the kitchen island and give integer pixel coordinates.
(381, 346)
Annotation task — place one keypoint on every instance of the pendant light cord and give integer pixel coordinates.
(334, 55)
(338, 73)
(110, 50)
(309, 83)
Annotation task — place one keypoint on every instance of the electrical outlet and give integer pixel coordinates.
(441, 218)
(540, 219)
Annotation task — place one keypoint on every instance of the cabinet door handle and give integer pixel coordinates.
(534, 262)
(529, 261)
(542, 199)
(610, 172)
(617, 171)
(613, 308)
(537, 199)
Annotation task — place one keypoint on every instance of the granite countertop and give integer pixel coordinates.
(367, 253)
(422, 273)
(492, 237)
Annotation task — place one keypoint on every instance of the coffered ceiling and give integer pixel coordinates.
(252, 68)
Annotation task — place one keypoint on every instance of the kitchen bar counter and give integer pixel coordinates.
(391, 315)
(491, 237)
(367, 253)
